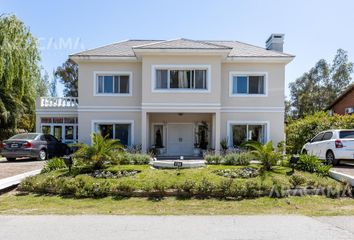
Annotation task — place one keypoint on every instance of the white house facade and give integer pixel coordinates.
(174, 96)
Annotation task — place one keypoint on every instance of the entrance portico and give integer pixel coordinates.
(179, 133)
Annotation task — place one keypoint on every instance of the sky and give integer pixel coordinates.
(314, 29)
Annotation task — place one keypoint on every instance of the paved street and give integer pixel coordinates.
(174, 227)
(9, 169)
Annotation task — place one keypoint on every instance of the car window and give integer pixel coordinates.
(42, 138)
(327, 136)
(346, 134)
(53, 139)
(318, 137)
(48, 138)
(25, 136)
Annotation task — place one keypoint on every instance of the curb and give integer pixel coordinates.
(342, 177)
(14, 180)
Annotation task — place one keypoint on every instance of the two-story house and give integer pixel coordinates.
(174, 94)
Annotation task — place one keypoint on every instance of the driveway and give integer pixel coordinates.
(346, 168)
(9, 169)
(173, 227)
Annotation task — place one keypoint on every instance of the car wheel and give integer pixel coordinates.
(42, 155)
(331, 159)
(304, 152)
(10, 159)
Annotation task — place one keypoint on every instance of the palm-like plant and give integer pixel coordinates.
(101, 150)
(264, 153)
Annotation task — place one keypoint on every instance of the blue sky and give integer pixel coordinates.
(313, 29)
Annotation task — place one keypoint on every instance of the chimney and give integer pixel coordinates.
(275, 42)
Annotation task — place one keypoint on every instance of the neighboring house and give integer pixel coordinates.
(344, 104)
(174, 95)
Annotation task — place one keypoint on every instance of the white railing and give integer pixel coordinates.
(59, 102)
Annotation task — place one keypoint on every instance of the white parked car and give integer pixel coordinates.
(332, 145)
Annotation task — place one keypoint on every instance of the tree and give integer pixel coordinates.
(53, 86)
(68, 75)
(19, 72)
(42, 85)
(318, 88)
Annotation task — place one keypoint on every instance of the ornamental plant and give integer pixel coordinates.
(101, 150)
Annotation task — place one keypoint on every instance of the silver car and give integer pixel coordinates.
(33, 145)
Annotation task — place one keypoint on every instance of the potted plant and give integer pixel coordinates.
(196, 150)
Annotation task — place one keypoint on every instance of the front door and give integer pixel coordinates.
(180, 139)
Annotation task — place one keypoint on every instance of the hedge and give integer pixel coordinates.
(300, 131)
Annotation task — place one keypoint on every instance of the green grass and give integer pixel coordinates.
(13, 203)
(171, 178)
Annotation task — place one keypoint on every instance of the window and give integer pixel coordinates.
(248, 84)
(346, 134)
(45, 129)
(318, 138)
(113, 84)
(327, 136)
(241, 133)
(181, 79)
(116, 131)
(65, 129)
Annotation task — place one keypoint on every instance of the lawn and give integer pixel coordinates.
(202, 182)
(15, 203)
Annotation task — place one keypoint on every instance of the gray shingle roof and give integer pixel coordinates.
(182, 44)
(240, 49)
(126, 48)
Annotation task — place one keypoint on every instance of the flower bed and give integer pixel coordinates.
(109, 174)
(246, 172)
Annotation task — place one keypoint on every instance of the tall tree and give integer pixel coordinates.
(19, 72)
(53, 86)
(42, 85)
(68, 75)
(317, 89)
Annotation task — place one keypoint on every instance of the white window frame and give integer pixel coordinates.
(95, 123)
(112, 73)
(180, 67)
(247, 74)
(231, 123)
(62, 125)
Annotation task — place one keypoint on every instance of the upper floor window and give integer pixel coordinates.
(243, 84)
(185, 79)
(113, 84)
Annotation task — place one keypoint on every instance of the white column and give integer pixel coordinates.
(213, 127)
(217, 132)
(143, 131)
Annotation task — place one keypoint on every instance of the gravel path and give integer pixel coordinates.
(171, 227)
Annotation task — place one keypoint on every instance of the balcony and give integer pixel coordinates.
(57, 102)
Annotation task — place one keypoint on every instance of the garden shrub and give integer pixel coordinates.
(213, 159)
(187, 186)
(237, 159)
(297, 179)
(137, 158)
(123, 187)
(298, 132)
(205, 187)
(278, 188)
(54, 164)
(323, 170)
(246, 172)
(225, 187)
(265, 153)
(312, 164)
